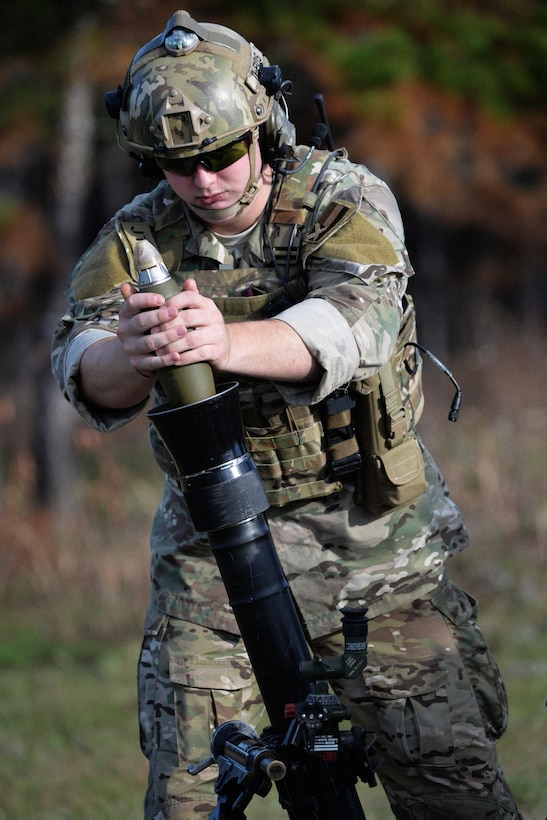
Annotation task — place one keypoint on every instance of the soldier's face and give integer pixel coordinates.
(209, 189)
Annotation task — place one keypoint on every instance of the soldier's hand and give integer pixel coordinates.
(196, 334)
(139, 315)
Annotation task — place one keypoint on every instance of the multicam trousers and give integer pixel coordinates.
(431, 691)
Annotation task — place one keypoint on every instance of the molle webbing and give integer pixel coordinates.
(249, 308)
(288, 450)
(341, 443)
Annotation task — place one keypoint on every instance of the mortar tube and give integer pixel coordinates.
(226, 499)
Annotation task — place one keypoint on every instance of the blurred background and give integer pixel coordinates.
(446, 101)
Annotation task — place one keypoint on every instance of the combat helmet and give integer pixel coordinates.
(195, 88)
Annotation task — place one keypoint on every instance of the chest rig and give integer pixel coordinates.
(301, 452)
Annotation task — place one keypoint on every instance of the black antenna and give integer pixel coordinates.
(320, 102)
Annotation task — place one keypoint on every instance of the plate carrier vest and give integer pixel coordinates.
(363, 433)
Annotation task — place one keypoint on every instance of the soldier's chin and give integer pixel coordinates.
(217, 214)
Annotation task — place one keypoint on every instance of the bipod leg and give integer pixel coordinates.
(313, 790)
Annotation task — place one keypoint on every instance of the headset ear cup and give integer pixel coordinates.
(277, 134)
(148, 166)
(113, 101)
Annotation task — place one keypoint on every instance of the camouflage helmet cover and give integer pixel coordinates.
(193, 88)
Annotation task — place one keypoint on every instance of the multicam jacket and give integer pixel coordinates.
(329, 259)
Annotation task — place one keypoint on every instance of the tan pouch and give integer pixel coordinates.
(392, 478)
(387, 408)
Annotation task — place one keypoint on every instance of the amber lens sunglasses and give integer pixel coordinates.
(214, 161)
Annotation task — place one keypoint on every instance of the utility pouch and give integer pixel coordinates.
(388, 478)
(287, 445)
(387, 406)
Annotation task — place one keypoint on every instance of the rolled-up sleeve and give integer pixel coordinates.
(68, 375)
(329, 339)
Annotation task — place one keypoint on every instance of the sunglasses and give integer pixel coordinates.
(214, 161)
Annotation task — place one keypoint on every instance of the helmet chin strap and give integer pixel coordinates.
(251, 190)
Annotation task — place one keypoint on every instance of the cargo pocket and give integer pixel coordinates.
(412, 711)
(147, 677)
(460, 610)
(207, 693)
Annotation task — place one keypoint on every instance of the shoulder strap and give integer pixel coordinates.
(395, 417)
(294, 200)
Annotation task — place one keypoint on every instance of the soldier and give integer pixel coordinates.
(293, 275)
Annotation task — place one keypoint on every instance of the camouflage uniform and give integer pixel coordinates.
(431, 689)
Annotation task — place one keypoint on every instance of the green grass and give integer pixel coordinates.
(69, 739)
(523, 748)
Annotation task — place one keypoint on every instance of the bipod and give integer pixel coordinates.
(316, 764)
(249, 765)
